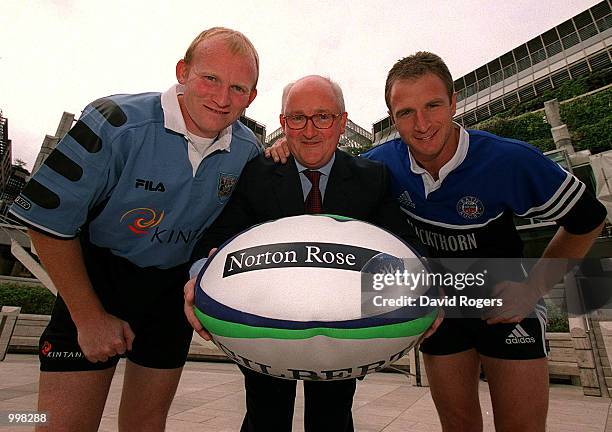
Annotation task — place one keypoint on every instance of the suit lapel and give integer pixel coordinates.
(337, 199)
(288, 189)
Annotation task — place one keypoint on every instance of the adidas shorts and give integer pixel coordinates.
(522, 341)
(149, 299)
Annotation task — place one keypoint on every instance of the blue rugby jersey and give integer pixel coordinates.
(471, 213)
(129, 179)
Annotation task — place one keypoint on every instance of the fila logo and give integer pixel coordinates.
(148, 185)
(519, 336)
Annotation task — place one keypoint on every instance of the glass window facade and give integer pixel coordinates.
(546, 52)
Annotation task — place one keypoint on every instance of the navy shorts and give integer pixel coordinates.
(521, 341)
(149, 299)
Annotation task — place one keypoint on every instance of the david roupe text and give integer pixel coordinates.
(278, 255)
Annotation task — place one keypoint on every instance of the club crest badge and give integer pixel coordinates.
(470, 207)
(226, 185)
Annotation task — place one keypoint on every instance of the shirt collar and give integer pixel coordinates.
(459, 156)
(173, 117)
(325, 169)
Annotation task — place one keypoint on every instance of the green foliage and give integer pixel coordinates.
(567, 90)
(544, 144)
(587, 109)
(557, 319)
(32, 299)
(524, 128)
(589, 120)
(356, 151)
(595, 136)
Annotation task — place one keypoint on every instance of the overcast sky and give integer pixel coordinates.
(59, 55)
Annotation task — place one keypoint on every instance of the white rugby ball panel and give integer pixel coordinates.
(310, 295)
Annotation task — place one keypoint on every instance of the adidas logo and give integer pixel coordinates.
(405, 200)
(519, 336)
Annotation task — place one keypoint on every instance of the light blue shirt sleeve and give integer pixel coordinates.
(196, 267)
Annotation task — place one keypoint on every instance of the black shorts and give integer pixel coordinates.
(522, 341)
(149, 299)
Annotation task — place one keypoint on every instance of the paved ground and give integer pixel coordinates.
(211, 398)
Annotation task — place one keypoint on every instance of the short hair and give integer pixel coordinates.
(237, 42)
(334, 85)
(415, 66)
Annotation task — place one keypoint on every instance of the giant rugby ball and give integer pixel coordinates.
(293, 298)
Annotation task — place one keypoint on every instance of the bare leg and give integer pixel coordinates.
(147, 396)
(74, 401)
(519, 393)
(453, 380)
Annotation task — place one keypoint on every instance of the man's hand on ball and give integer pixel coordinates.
(189, 295)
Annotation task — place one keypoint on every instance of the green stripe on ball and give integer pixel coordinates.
(234, 330)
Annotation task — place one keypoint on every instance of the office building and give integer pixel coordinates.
(258, 129)
(6, 154)
(17, 179)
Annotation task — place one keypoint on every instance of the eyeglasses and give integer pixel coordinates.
(320, 121)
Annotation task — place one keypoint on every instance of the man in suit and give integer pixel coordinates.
(317, 179)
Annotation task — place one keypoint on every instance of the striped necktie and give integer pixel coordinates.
(313, 200)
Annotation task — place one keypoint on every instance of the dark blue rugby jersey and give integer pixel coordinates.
(471, 213)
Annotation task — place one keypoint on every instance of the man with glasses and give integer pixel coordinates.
(317, 179)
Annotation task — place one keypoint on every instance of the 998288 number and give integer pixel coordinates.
(16, 418)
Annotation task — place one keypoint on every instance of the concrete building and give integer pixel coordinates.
(578, 46)
(355, 136)
(13, 186)
(6, 153)
(258, 129)
(50, 141)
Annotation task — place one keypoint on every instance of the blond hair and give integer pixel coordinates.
(236, 41)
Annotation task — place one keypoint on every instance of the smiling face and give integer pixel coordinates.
(423, 115)
(310, 146)
(219, 86)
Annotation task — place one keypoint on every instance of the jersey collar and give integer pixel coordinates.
(431, 185)
(173, 118)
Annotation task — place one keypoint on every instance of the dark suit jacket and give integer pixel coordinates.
(357, 188)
